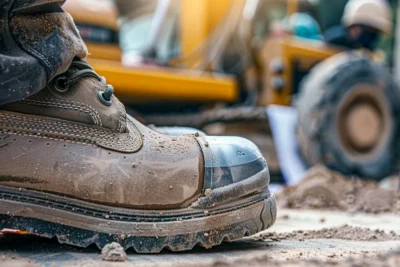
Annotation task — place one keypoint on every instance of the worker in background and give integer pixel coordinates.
(363, 22)
(303, 25)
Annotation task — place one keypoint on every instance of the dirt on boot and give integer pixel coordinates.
(328, 190)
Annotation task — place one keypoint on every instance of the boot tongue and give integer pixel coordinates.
(79, 101)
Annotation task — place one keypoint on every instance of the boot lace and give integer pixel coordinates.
(65, 80)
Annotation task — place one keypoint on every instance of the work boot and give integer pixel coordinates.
(76, 167)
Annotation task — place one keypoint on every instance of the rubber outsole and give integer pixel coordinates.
(150, 232)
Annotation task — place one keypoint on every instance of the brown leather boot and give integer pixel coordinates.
(75, 166)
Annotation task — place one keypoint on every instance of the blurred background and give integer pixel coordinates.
(309, 81)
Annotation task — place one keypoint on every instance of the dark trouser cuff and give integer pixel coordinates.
(38, 41)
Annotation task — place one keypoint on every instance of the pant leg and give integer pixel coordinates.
(38, 41)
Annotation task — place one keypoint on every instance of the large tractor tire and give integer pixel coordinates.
(349, 110)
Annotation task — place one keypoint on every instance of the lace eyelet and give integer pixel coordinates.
(59, 84)
(103, 100)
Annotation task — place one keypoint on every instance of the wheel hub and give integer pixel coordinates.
(362, 120)
(363, 126)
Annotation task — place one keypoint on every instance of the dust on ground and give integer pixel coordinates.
(344, 232)
(388, 259)
(324, 189)
(15, 261)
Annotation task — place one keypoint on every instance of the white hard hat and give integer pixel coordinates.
(373, 13)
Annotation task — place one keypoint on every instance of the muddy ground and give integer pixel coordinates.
(327, 220)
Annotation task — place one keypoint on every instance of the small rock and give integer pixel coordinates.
(113, 252)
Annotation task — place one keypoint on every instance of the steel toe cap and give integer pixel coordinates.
(229, 160)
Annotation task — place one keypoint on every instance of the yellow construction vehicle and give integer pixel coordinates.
(203, 49)
(142, 84)
(237, 57)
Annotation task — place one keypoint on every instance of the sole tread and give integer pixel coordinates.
(250, 220)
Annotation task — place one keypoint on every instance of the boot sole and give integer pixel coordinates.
(82, 224)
